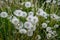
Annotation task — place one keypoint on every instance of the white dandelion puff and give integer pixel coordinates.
(38, 37)
(39, 12)
(44, 25)
(29, 18)
(48, 1)
(33, 28)
(31, 13)
(18, 12)
(29, 33)
(35, 20)
(15, 21)
(19, 25)
(42, 13)
(48, 29)
(49, 35)
(24, 14)
(28, 4)
(54, 16)
(56, 26)
(23, 31)
(3, 14)
(28, 25)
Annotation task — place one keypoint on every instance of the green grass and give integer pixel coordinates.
(7, 30)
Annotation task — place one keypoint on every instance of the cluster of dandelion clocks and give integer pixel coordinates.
(30, 25)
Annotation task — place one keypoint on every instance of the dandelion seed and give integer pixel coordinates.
(29, 33)
(3, 14)
(33, 28)
(15, 21)
(31, 13)
(38, 37)
(54, 16)
(56, 26)
(35, 20)
(42, 13)
(44, 25)
(24, 14)
(45, 15)
(48, 29)
(48, 1)
(18, 13)
(39, 12)
(28, 25)
(20, 25)
(48, 35)
(29, 18)
(54, 33)
(28, 4)
(23, 31)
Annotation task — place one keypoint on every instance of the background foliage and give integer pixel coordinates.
(7, 30)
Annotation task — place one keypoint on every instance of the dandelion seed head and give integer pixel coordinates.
(48, 1)
(23, 31)
(28, 25)
(44, 25)
(48, 35)
(3, 14)
(18, 13)
(28, 4)
(33, 28)
(48, 29)
(56, 26)
(38, 37)
(29, 18)
(24, 14)
(15, 21)
(31, 13)
(29, 33)
(35, 20)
